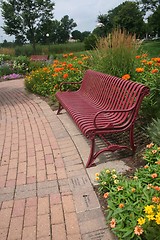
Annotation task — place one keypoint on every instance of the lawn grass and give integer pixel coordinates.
(152, 48)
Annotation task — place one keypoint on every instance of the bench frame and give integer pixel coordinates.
(125, 116)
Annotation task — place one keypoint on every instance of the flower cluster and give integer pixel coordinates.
(147, 72)
(151, 218)
(152, 153)
(45, 81)
(12, 76)
(133, 203)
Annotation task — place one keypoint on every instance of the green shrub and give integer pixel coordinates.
(90, 42)
(21, 64)
(153, 131)
(5, 70)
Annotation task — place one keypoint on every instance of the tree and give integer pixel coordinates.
(25, 18)
(147, 5)
(154, 21)
(127, 15)
(64, 28)
(77, 35)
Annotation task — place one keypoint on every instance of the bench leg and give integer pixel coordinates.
(91, 155)
(131, 136)
(59, 109)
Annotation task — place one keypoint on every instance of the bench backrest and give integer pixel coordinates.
(109, 92)
(39, 57)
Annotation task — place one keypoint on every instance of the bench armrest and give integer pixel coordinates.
(68, 83)
(110, 111)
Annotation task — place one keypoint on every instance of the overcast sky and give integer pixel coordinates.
(83, 12)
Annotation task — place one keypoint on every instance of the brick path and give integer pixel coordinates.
(45, 191)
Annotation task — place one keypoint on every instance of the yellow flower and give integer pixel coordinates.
(97, 178)
(97, 174)
(135, 177)
(116, 181)
(157, 218)
(114, 176)
(133, 190)
(150, 217)
(141, 221)
(149, 209)
(108, 171)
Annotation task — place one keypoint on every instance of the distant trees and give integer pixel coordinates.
(77, 35)
(32, 21)
(25, 18)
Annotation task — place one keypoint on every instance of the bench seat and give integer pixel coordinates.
(103, 105)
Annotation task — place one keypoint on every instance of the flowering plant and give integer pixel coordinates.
(128, 200)
(147, 72)
(45, 81)
(152, 153)
(12, 76)
(149, 223)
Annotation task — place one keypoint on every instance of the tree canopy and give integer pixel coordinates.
(33, 21)
(24, 18)
(127, 15)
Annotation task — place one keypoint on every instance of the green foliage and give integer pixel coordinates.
(117, 55)
(5, 70)
(90, 42)
(147, 71)
(153, 131)
(129, 200)
(152, 48)
(21, 65)
(4, 58)
(152, 153)
(126, 16)
(52, 49)
(153, 21)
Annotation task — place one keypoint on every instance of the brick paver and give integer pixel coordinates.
(45, 192)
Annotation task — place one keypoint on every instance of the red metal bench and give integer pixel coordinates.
(39, 57)
(104, 104)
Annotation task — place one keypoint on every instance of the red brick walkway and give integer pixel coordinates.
(45, 192)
